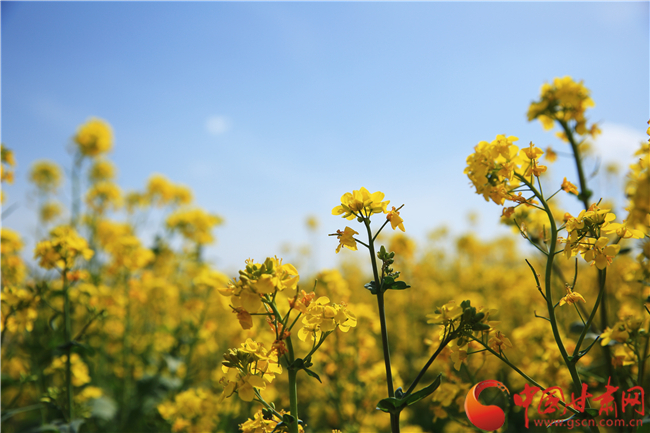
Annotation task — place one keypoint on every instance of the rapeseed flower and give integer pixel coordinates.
(346, 239)
(361, 203)
(94, 137)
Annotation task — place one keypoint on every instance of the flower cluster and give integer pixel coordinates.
(496, 168)
(7, 163)
(193, 411)
(248, 368)
(586, 235)
(323, 316)
(46, 175)
(195, 225)
(62, 249)
(256, 282)
(361, 204)
(564, 100)
(94, 137)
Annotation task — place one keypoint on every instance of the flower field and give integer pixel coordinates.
(106, 331)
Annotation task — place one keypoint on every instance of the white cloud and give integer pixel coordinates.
(217, 125)
(618, 143)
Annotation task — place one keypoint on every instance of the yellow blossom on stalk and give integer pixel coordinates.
(7, 164)
(88, 393)
(571, 297)
(194, 224)
(102, 170)
(258, 280)
(445, 314)
(395, 220)
(46, 176)
(492, 168)
(161, 191)
(618, 332)
(569, 187)
(637, 190)
(248, 368)
(324, 316)
(601, 254)
(135, 200)
(192, 411)
(551, 155)
(62, 249)
(19, 308)
(346, 239)
(564, 100)
(104, 195)
(498, 341)
(50, 211)
(12, 265)
(80, 374)
(94, 137)
(258, 424)
(361, 203)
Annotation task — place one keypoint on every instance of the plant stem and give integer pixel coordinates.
(577, 383)
(68, 342)
(293, 389)
(394, 418)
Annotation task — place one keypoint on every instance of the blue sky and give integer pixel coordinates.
(271, 111)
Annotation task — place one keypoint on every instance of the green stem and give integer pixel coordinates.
(577, 383)
(445, 340)
(76, 199)
(593, 312)
(68, 339)
(293, 389)
(394, 418)
(585, 193)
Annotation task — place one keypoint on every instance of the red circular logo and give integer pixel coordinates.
(488, 418)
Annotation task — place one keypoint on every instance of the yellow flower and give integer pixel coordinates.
(601, 254)
(102, 170)
(194, 224)
(8, 162)
(445, 314)
(323, 316)
(571, 297)
(395, 219)
(569, 187)
(564, 100)
(50, 211)
(62, 249)
(551, 155)
(46, 175)
(618, 332)
(346, 239)
(104, 195)
(94, 137)
(498, 341)
(361, 203)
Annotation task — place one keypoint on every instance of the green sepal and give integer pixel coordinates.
(312, 374)
(372, 287)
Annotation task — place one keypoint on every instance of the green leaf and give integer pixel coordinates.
(398, 285)
(424, 392)
(312, 374)
(390, 405)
